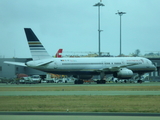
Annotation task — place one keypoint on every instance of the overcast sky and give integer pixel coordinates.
(73, 26)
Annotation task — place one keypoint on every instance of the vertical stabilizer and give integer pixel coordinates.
(58, 54)
(36, 48)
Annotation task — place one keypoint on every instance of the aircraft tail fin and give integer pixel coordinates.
(58, 54)
(36, 48)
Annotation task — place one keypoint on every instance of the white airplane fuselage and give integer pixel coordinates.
(92, 66)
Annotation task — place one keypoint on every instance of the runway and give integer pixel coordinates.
(81, 113)
(77, 116)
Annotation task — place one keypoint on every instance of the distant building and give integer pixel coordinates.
(10, 71)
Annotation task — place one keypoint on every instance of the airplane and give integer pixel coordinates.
(120, 67)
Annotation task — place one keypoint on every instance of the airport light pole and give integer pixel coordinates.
(99, 4)
(120, 14)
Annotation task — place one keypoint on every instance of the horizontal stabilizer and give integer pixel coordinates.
(15, 63)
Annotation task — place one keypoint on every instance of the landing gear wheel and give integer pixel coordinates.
(78, 82)
(139, 81)
(101, 81)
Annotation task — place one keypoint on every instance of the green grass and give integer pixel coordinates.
(80, 103)
(83, 88)
(133, 103)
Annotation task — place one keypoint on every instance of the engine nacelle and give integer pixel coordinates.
(123, 73)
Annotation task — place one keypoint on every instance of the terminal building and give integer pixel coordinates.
(10, 71)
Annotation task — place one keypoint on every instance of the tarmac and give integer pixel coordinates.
(49, 117)
(77, 116)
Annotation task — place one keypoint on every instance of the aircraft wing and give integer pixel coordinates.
(15, 63)
(115, 68)
(44, 63)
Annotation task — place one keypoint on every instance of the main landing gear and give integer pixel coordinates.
(139, 81)
(78, 82)
(140, 77)
(101, 82)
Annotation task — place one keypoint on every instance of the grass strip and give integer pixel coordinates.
(83, 88)
(133, 103)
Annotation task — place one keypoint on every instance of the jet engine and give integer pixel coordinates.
(123, 73)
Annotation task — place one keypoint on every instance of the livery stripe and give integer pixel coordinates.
(37, 49)
(35, 46)
(34, 42)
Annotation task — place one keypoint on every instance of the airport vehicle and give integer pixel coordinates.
(30, 79)
(120, 67)
(36, 78)
(24, 80)
(20, 75)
